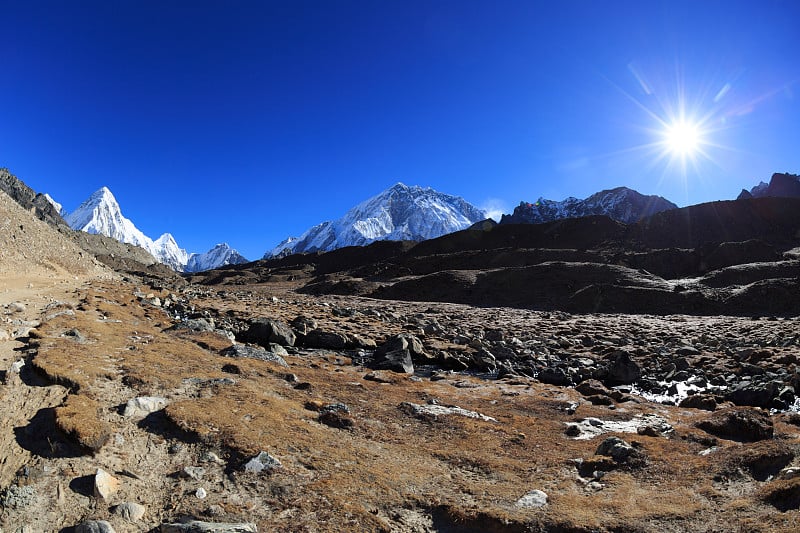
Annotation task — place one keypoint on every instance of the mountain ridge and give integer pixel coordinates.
(620, 203)
(102, 214)
(400, 212)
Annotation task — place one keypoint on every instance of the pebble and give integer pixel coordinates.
(201, 493)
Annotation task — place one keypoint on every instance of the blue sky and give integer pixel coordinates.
(248, 121)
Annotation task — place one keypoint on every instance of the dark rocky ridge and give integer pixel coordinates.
(30, 199)
(780, 185)
(714, 258)
(621, 203)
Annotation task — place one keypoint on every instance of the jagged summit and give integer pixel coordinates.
(219, 255)
(101, 214)
(401, 212)
(781, 184)
(621, 204)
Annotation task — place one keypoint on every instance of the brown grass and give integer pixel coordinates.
(353, 480)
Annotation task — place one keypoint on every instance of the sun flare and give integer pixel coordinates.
(683, 138)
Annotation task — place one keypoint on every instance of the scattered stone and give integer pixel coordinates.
(435, 411)
(143, 406)
(739, 423)
(16, 307)
(193, 472)
(533, 500)
(105, 484)
(251, 352)
(262, 462)
(94, 526)
(131, 511)
(195, 526)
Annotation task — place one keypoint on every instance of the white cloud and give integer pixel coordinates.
(495, 208)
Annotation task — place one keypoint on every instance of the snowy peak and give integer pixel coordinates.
(219, 255)
(621, 204)
(101, 213)
(401, 212)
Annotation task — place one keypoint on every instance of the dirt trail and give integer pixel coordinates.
(23, 394)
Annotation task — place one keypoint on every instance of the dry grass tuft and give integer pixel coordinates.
(79, 419)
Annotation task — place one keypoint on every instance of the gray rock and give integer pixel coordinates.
(266, 330)
(303, 324)
(131, 511)
(396, 361)
(195, 526)
(533, 500)
(317, 338)
(105, 484)
(261, 462)
(94, 526)
(623, 370)
(143, 406)
(193, 472)
(251, 352)
(617, 449)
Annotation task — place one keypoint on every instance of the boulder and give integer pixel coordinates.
(262, 462)
(317, 338)
(739, 424)
(616, 448)
(251, 352)
(266, 330)
(143, 406)
(623, 370)
(532, 500)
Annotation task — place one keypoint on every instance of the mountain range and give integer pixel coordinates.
(101, 214)
(621, 204)
(400, 213)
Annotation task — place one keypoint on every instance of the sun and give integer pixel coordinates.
(683, 138)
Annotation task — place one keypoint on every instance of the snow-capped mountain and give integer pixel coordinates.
(621, 204)
(219, 255)
(779, 185)
(398, 213)
(57, 206)
(102, 214)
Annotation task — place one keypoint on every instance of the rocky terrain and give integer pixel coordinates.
(577, 376)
